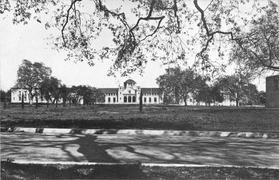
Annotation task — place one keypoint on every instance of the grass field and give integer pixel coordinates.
(152, 117)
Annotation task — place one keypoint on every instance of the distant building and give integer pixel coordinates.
(272, 91)
(129, 93)
(18, 93)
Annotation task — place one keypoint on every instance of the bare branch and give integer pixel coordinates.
(67, 20)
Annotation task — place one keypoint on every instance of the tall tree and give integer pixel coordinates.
(139, 28)
(31, 76)
(45, 90)
(50, 89)
(64, 93)
(55, 92)
(96, 96)
(237, 87)
(179, 83)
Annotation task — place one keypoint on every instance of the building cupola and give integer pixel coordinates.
(129, 83)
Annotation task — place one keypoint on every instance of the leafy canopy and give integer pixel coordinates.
(259, 49)
(31, 76)
(169, 30)
(177, 84)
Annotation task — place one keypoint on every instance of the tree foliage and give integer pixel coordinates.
(262, 98)
(209, 94)
(31, 76)
(5, 96)
(161, 29)
(238, 88)
(259, 48)
(177, 84)
(50, 89)
(90, 95)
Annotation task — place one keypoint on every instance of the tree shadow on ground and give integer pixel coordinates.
(145, 149)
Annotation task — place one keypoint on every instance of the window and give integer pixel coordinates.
(125, 98)
(150, 99)
(19, 95)
(129, 99)
(25, 95)
(134, 98)
(155, 99)
(114, 99)
(108, 99)
(129, 92)
(145, 99)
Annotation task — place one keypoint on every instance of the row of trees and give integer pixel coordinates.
(177, 85)
(37, 79)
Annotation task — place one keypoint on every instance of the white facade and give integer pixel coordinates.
(18, 93)
(129, 93)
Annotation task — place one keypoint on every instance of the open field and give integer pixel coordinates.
(152, 117)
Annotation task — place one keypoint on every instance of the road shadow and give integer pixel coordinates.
(92, 150)
(140, 149)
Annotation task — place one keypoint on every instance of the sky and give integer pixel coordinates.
(18, 42)
(29, 42)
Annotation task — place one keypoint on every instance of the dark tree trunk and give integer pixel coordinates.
(5, 101)
(185, 100)
(56, 103)
(47, 103)
(22, 101)
(176, 96)
(37, 102)
(236, 102)
(140, 103)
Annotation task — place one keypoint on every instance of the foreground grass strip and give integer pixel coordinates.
(153, 117)
(130, 171)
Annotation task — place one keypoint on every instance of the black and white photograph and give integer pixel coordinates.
(139, 89)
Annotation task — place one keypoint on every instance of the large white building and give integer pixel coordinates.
(129, 93)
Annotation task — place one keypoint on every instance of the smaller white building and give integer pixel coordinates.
(18, 93)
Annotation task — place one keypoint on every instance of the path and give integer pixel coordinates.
(213, 151)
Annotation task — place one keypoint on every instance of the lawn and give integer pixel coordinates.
(152, 117)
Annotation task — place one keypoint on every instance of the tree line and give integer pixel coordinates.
(178, 85)
(37, 80)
